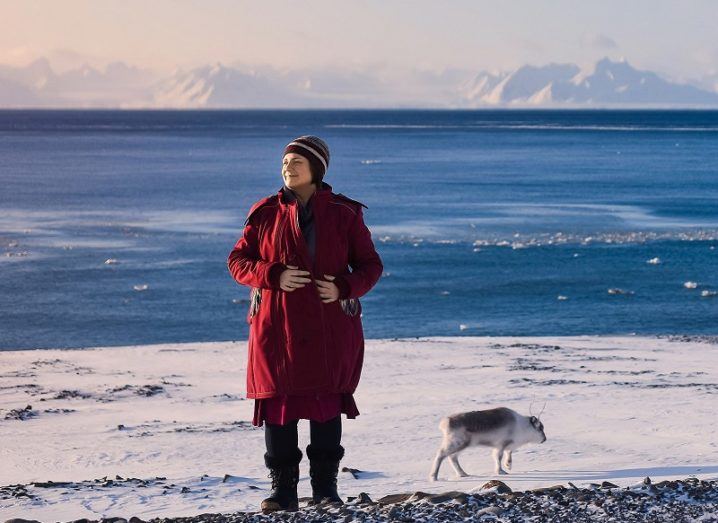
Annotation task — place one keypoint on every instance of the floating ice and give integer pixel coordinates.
(616, 290)
(110, 261)
(141, 287)
(616, 237)
(709, 294)
(654, 261)
(370, 162)
(561, 297)
(690, 284)
(463, 326)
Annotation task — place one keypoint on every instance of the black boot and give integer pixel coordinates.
(285, 476)
(324, 467)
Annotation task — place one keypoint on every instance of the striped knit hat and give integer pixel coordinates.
(313, 149)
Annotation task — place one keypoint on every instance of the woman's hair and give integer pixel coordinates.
(316, 177)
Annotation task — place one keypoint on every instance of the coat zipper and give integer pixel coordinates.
(313, 269)
(281, 347)
(283, 368)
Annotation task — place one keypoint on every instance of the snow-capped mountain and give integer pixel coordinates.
(37, 85)
(520, 86)
(221, 86)
(606, 84)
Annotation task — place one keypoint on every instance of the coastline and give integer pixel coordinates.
(619, 408)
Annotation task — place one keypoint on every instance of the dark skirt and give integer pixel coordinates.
(280, 410)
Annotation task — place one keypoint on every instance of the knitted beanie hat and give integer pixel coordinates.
(313, 149)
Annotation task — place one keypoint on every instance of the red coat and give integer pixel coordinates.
(297, 343)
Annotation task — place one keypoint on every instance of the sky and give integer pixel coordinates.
(672, 37)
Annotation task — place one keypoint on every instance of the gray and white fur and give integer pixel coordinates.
(502, 429)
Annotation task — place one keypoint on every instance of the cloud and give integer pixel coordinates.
(17, 56)
(598, 41)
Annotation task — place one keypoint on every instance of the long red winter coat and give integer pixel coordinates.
(297, 343)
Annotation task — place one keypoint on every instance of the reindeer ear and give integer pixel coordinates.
(533, 420)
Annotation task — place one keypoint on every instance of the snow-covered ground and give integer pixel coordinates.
(617, 409)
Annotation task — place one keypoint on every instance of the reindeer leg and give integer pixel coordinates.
(506, 459)
(497, 452)
(447, 449)
(454, 460)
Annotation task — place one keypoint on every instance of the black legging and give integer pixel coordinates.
(282, 440)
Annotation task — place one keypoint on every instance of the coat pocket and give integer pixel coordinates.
(350, 306)
(255, 299)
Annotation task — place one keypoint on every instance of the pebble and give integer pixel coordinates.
(676, 500)
(496, 511)
(495, 484)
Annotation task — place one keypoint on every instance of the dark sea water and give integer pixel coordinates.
(488, 222)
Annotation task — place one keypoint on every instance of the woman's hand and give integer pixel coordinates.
(328, 291)
(293, 278)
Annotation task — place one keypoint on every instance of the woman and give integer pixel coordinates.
(306, 343)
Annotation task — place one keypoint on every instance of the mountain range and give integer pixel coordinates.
(607, 83)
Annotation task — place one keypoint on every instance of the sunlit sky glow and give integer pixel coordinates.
(672, 37)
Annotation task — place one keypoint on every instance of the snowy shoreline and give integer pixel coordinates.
(619, 408)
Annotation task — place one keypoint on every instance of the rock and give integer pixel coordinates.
(51, 484)
(446, 496)
(354, 472)
(549, 490)
(394, 513)
(135, 519)
(184, 490)
(20, 520)
(21, 414)
(462, 497)
(66, 394)
(494, 510)
(362, 498)
(394, 498)
(608, 484)
(499, 486)
(416, 496)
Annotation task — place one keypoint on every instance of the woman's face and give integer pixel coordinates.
(296, 171)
